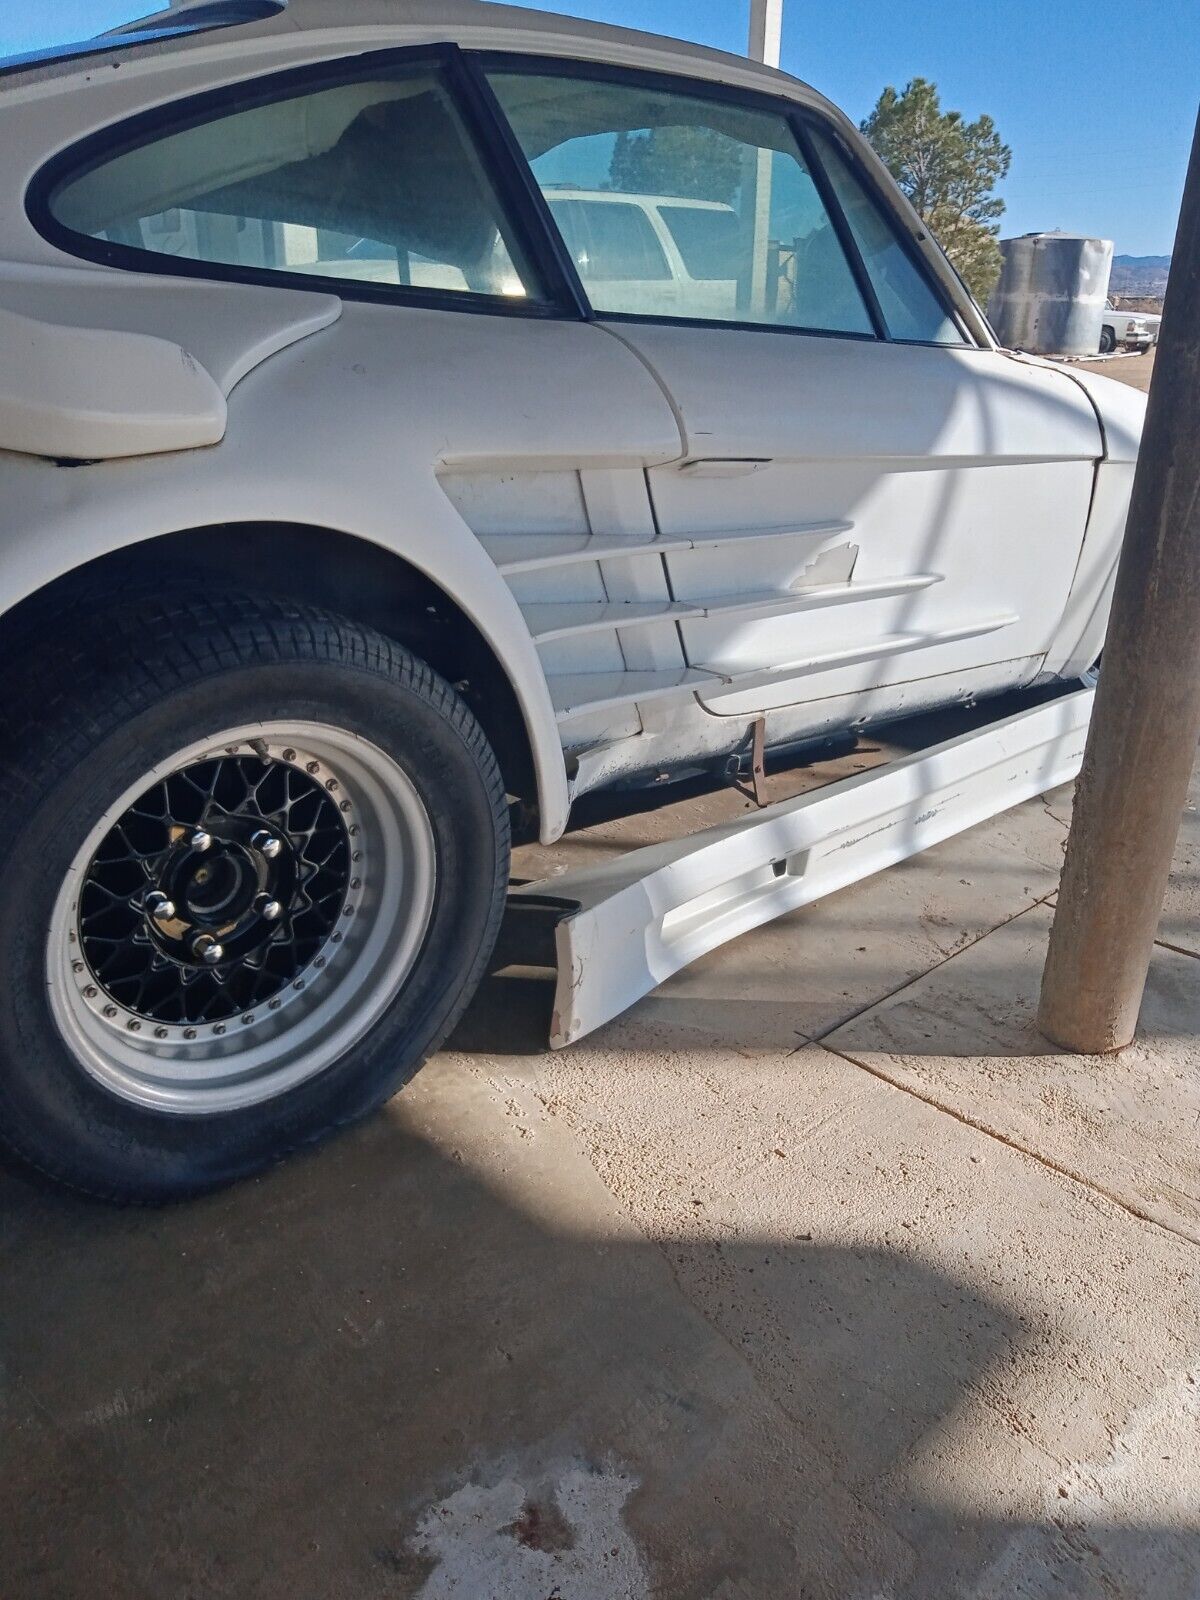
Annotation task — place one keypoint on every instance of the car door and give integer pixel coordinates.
(866, 496)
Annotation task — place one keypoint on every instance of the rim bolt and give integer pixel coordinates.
(289, 755)
(201, 840)
(266, 844)
(219, 1027)
(77, 966)
(207, 949)
(159, 906)
(267, 908)
(344, 805)
(335, 938)
(347, 911)
(313, 766)
(189, 1033)
(110, 1011)
(357, 856)
(249, 1017)
(274, 1005)
(133, 1025)
(331, 783)
(353, 830)
(90, 992)
(319, 962)
(356, 883)
(299, 983)
(161, 1033)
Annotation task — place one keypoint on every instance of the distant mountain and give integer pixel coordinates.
(1139, 274)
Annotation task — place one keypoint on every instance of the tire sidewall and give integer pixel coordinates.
(48, 1099)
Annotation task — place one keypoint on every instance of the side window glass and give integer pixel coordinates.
(374, 181)
(610, 240)
(674, 204)
(910, 307)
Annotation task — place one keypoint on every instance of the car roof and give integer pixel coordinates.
(326, 26)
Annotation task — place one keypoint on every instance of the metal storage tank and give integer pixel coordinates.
(1051, 293)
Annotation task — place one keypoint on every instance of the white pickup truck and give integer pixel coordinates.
(1136, 330)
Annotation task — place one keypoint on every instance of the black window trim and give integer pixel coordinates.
(506, 180)
(523, 205)
(800, 119)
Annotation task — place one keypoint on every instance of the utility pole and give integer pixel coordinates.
(1142, 742)
(766, 32)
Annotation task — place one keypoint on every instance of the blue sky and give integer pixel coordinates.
(1097, 98)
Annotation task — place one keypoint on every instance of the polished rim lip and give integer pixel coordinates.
(234, 1064)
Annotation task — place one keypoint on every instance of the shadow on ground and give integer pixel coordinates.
(324, 1383)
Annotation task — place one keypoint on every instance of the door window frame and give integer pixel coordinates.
(799, 119)
(523, 206)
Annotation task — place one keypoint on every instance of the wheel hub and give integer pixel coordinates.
(216, 888)
(232, 890)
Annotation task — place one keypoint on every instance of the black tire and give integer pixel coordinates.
(1108, 341)
(83, 719)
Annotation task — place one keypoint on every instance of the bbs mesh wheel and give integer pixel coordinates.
(256, 857)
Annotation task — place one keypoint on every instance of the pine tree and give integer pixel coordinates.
(948, 168)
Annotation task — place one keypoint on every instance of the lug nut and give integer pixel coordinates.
(159, 906)
(201, 840)
(207, 949)
(266, 844)
(267, 908)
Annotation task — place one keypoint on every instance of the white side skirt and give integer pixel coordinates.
(633, 922)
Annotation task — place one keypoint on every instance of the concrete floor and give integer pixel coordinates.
(816, 1275)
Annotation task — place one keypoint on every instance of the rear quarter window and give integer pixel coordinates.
(372, 180)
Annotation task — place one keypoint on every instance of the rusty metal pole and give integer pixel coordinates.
(1142, 743)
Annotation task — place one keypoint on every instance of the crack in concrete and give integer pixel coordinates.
(1192, 1239)
(852, 1016)
(1178, 949)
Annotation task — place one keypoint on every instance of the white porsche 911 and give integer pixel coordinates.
(414, 412)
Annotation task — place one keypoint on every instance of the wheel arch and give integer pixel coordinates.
(347, 573)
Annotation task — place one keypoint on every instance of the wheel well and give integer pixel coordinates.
(332, 569)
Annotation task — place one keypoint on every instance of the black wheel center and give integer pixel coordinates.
(246, 855)
(219, 889)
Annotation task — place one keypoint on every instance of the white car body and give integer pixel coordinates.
(655, 532)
